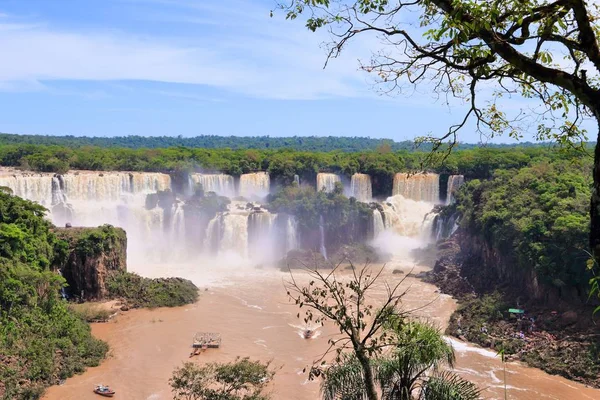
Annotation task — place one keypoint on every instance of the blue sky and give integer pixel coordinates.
(191, 67)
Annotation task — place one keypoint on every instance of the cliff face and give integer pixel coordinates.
(93, 254)
(468, 262)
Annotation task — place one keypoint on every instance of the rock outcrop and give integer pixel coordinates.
(93, 254)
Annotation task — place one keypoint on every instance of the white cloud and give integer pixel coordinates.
(261, 57)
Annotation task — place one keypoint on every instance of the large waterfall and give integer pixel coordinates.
(165, 226)
(454, 183)
(419, 187)
(361, 188)
(161, 229)
(256, 184)
(221, 184)
(327, 181)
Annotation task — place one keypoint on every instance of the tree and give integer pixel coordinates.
(242, 379)
(457, 48)
(410, 366)
(345, 302)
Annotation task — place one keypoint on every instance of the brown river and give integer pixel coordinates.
(250, 310)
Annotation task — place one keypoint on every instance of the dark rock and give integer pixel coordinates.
(567, 318)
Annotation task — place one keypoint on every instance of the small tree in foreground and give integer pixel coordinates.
(411, 367)
(378, 344)
(346, 303)
(242, 379)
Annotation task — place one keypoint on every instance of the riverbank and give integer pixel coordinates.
(255, 319)
(563, 341)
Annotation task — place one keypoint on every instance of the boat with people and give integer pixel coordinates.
(104, 390)
(308, 333)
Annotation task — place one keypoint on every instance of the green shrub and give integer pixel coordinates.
(144, 292)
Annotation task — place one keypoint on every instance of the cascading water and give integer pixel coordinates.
(34, 187)
(323, 249)
(221, 184)
(407, 217)
(361, 188)
(256, 184)
(378, 225)
(291, 235)
(454, 183)
(419, 187)
(261, 235)
(235, 234)
(327, 181)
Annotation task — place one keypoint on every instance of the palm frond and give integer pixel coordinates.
(448, 386)
(344, 381)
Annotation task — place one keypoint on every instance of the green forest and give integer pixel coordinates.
(301, 143)
(381, 164)
(41, 340)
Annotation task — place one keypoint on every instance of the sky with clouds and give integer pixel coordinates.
(191, 67)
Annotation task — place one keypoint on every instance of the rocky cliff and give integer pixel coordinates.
(93, 254)
(469, 263)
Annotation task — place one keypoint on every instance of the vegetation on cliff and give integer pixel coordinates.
(41, 340)
(137, 291)
(344, 220)
(93, 255)
(537, 219)
(522, 244)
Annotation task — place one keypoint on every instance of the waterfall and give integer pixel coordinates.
(454, 183)
(427, 228)
(322, 233)
(213, 235)
(378, 225)
(407, 217)
(221, 184)
(34, 187)
(291, 236)
(178, 234)
(327, 181)
(361, 188)
(263, 242)
(235, 234)
(256, 184)
(297, 180)
(419, 187)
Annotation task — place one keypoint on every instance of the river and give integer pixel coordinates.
(250, 310)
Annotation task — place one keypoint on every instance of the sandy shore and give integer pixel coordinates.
(256, 320)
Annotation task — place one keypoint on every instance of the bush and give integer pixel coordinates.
(239, 380)
(144, 292)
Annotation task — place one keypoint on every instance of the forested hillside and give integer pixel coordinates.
(303, 143)
(41, 340)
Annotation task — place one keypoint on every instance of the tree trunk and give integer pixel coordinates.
(595, 201)
(367, 373)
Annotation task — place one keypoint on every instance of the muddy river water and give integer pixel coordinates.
(254, 317)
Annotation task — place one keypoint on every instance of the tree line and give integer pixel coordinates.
(303, 143)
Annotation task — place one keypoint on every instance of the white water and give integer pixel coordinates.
(361, 187)
(454, 183)
(255, 185)
(322, 237)
(419, 187)
(221, 184)
(327, 181)
(378, 225)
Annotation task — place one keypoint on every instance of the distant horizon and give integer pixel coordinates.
(308, 136)
(313, 136)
